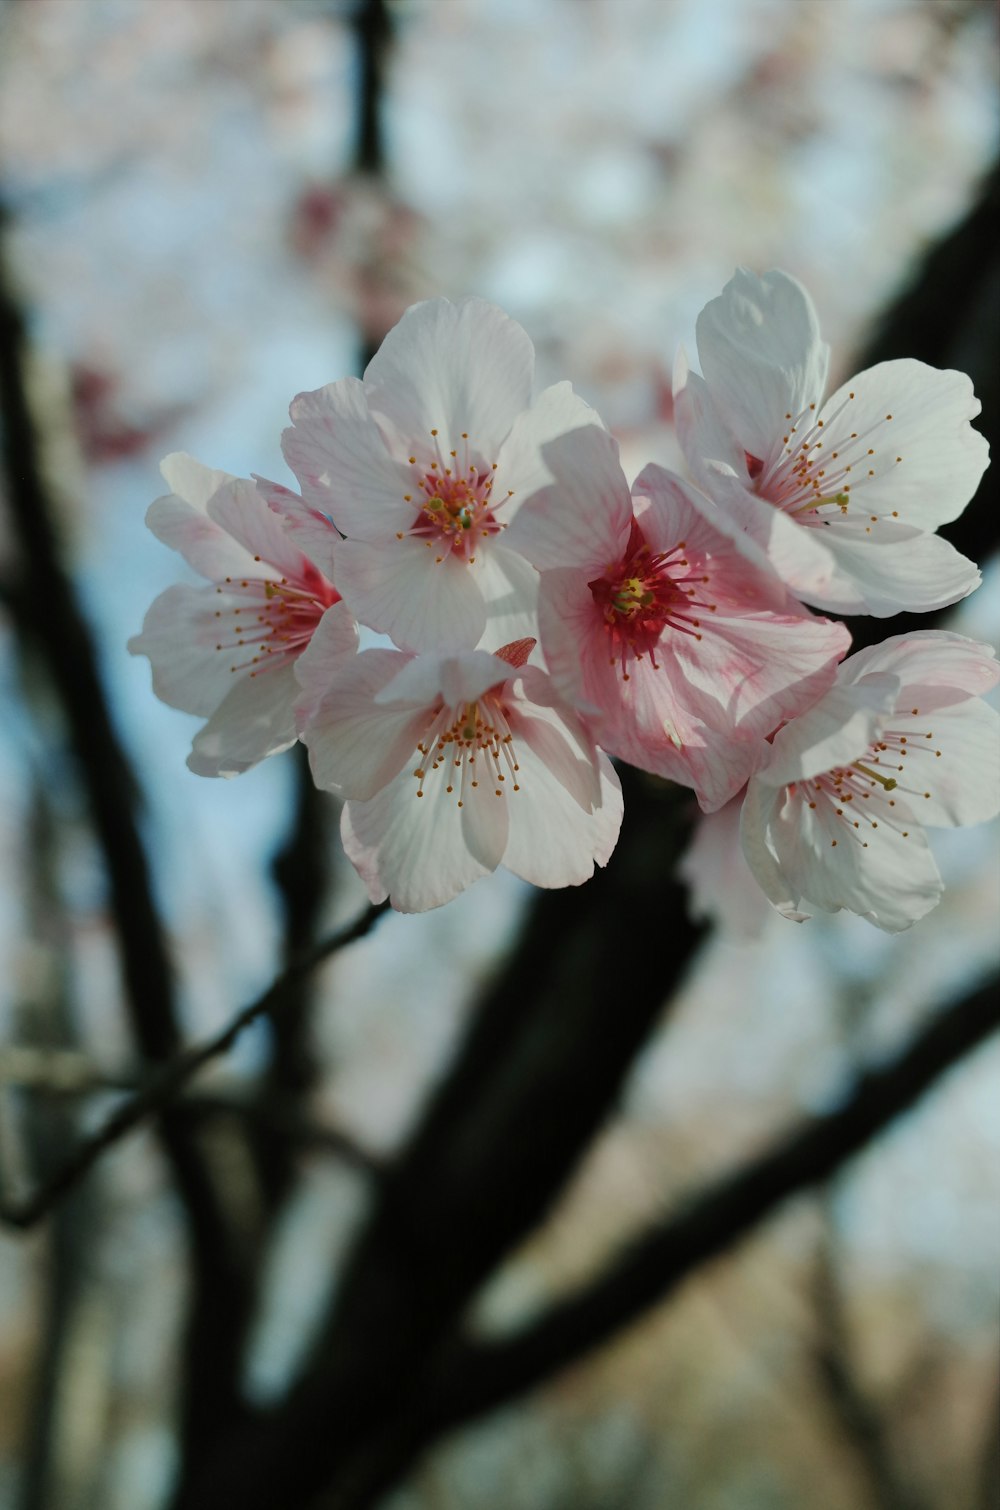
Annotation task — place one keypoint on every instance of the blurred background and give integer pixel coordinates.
(210, 205)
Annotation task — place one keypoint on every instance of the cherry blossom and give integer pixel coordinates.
(454, 765)
(835, 816)
(226, 652)
(663, 623)
(844, 494)
(423, 464)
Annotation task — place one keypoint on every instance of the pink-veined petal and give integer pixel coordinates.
(723, 888)
(337, 452)
(405, 590)
(761, 353)
(180, 636)
(335, 638)
(797, 554)
(255, 719)
(240, 510)
(206, 548)
(357, 746)
(310, 529)
(455, 368)
(584, 518)
(521, 465)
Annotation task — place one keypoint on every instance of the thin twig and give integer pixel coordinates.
(169, 1079)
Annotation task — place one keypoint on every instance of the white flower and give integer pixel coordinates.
(226, 651)
(454, 765)
(422, 465)
(844, 494)
(835, 816)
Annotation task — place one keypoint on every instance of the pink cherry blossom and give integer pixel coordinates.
(452, 766)
(226, 652)
(722, 887)
(663, 623)
(423, 464)
(845, 495)
(835, 816)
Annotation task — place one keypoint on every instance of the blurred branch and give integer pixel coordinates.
(466, 1380)
(373, 30)
(50, 619)
(862, 1424)
(170, 1078)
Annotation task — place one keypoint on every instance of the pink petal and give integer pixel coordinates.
(553, 840)
(207, 548)
(520, 463)
(180, 635)
(936, 668)
(356, 746)
(240, 510)
(310, 529)
(190, 479)
(334, 639)
(893, 572)
(584, 518)
(837, 731)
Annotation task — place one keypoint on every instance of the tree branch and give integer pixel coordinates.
(172, 1076)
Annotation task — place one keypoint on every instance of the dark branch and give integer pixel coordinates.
(168, 1081)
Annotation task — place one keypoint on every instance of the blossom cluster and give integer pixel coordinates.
(538, 615)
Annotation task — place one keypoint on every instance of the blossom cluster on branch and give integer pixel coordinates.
(540, 615)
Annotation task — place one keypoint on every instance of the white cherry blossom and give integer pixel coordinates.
(835, 816)
(844, 494)
(226, 652)
(423, 464)
(452, 766)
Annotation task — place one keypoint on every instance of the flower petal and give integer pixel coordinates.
(180, 635)
(312, 531)
(836, 731)
(455, 368)
(337, 452)
(521, 465)
(335, 638)
(762, 356)
(357, 746)
(936, 668)
(553, 840)
(239, 509)
(255, 719)
(206, 548)
(892, 572)
(915, 452)
(404, 590)
(584, 518)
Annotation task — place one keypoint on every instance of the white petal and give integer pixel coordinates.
(190, 479)
(760, 808)
(204, 545)
(892, 572)
(403, 590)
(485, 822)
(521, 465)
(701, 431)
(357, 747)
(335, 637)
(180, 635)
(584, 518)
(798, 555)
(553, 841)
(723, 888)
(936, 668)
(256, 719)
(762, 356)
(423, 680)
(312, 531)
(242, 512)
(509, 585)
(337, 452)
(838, 730)
(913, 433)
(892, 882)
(453, 368)
(411, 849)
(961, 784)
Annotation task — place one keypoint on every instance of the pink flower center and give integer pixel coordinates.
(820, 462)
(645, 594)
(473, 748)
(275, 618)
(456, 506)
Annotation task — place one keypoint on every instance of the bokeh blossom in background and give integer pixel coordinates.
(489, 1206)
